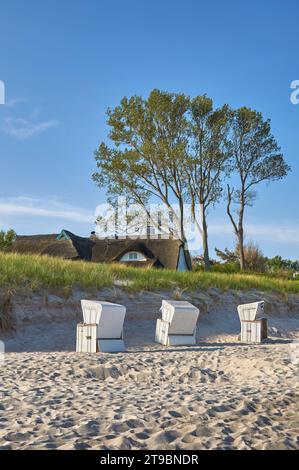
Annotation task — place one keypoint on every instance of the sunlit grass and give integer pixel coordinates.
(55, 274)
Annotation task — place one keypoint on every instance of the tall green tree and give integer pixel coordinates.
(170, 148)
(146, 160)
(207, 161)
(257, 158)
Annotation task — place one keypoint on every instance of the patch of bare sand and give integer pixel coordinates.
(206, 397)
(218, 395)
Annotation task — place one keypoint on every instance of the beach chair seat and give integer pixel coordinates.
(254, 331)
(107, 320)
(254, 328)
(86, 338)
(178, 323)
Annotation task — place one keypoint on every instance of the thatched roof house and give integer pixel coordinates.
(141, 252)
(159, 253)
(64, 245)
(34, 244)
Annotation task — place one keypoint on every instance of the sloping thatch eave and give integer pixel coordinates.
(33, 244)
(61, 249)
(165, 251)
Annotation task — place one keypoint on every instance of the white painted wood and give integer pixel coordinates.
(86, 338)
(87, 341)
(253, 326)
(181, 315)
(108, 316)
(251, 312)
(254, 331)
(162, 328)
(163, 336)
(178, 323)
(110, 345)
(182, 263)
(182, 340)
(91, 314)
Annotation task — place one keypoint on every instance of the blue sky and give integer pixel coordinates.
(64, 62)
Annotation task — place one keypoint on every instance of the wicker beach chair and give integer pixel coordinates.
(178, 323)
(102, 330)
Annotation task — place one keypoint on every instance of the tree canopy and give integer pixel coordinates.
(177, 150)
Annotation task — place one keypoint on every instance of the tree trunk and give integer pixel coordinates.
(240, 233)
(182, 226)
(241, 249)
(205, 245)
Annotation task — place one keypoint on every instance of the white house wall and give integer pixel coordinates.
(182, 264)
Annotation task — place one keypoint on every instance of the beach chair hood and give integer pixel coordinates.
(181, 315)
(108, 316)
(251, 312)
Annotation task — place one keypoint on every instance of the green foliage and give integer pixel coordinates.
(257, 158)
(207, 160)
(177, 149)
(254, 258)
(256, 152)
(278, 264)
(7, 239)
(228, 268)
(227, 255)
(56, 274)
(149, 141)
(255, 262)
(167, 147)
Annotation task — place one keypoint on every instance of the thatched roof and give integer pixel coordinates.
(82, 245)
(143, 264)
(160, 253)
(34, 244)
(64, 245)
(61, 249)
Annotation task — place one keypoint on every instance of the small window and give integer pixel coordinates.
(133, 256)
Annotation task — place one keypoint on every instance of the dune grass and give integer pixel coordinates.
(6, 317)
(57, 275)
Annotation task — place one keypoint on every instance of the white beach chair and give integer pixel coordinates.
(86, 338)
(178, 324)
(105, 321)
(254, 328)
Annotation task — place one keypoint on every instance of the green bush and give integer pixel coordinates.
(226, 268)
(7, 239)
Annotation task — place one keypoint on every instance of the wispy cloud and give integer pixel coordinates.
(54, 209)
(263, 232)
(15, 102)
(31, 207)
(22, 129)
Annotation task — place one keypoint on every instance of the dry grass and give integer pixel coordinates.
(57, 275)
(177, 293)
(6, 315)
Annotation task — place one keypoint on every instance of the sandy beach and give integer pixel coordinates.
(220, 394)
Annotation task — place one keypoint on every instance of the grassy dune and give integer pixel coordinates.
(58, 275)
